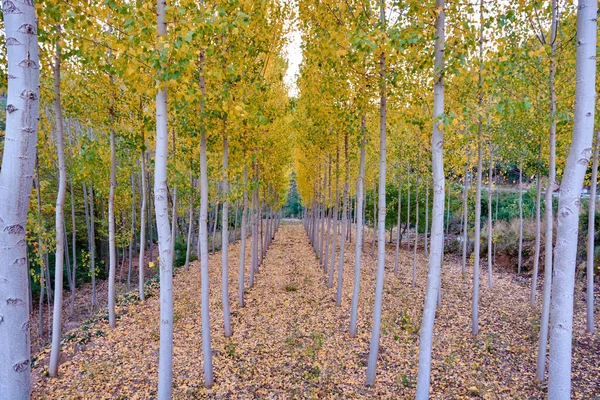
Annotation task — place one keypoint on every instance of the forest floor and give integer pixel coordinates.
(291, 341)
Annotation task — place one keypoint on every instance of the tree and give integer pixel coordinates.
(16, 179)
(561, 330)
(437, 217)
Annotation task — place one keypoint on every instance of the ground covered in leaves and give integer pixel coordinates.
(291, 341)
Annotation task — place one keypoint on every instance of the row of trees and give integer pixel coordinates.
(210, 85)
(362, 54)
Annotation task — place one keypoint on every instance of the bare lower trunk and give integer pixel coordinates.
(590, 242)
(399, 223)
(414, 271)
(437, 227)
(490, 221)
(465, 238)
(359, 232)
(243, 240)
(225, 239)
(338, 297)
(538, 234)
(520, 261)
(561, 328)
(376, 331)
(142, 229)
(59, 220)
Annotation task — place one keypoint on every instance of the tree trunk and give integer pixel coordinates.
(338, 297)
(551, 187)
(374, 347)
(561, 329)
(477, 245)
(335, 217)
(520, 262)
(465, 221)
(437, 226)
(359, 232)
(243, 240)
(59, 218)
(426, 218)
(254, 243)
(408, 210)
(189, 234)
(398, 222)
(142, 229)
(490, 220)
(590, 242)
(538, 234)
(414, 272)
(225, 238)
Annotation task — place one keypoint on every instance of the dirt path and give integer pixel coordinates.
(291, 341)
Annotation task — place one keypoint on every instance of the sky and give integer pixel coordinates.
(293, 54)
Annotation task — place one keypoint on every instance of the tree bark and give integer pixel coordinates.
(490, 220)
(561, 329)
(359, 232)
(414, 271)
(399, 233)
(59, 218)
(520, 260)
(243, 240)
(142, 229)
(437, 226)
(338, 297)
(590, 242)
(374, 346)
(551, 187)
(538, 234)
(16, 177)
(225, 238)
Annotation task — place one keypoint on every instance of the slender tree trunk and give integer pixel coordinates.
(254, 243)
(399, 233)
(225, 237)
(335, 217)
(590, 242)
(477, 246)
(203, 233)
(374, 346)
(215, 224)
(520, 262)
(408, 210)
(538, 234)
(414, 272)
(338, 297)
(59, 215)
(426, 218)
(92, 245)
(374, 222)
(551, 187)
(243, 239)
(359, 223)
(561, 329)
(437, 227)
(189, 234)
(490, 220)
(142, 229)
(465, 222)
(132, 237)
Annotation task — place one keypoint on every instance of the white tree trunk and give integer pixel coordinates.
(550, 188)
(335, 224)
(243, 239)
(203, 233)
(520, 262)
(165, 239)
(359, 232)
(74, 248)
(338, 297)
(414, 271)
(561, 328)
(425, 242)
(477, 246)
(225, 239)
(142, 229)
(437, 226)
(16, 177)
(59, 219)
(490, 220)
(465, 227)
(590, 242)
(376, 330)
(538, 234)
(189, 234)
(398, 220)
